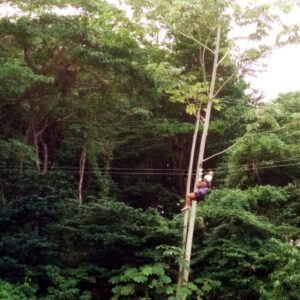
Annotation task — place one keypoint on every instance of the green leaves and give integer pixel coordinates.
(16, 77)
(124, 290)
(16, 291)
(252, 53)
(146, 274)
(92, 80)
(16, 152)
(154, 279)
(262, 154)
(285, 273)
(243, 233)
(147, 270)
(181, 86)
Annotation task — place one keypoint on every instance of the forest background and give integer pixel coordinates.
(96, 127)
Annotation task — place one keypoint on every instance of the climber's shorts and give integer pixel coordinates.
(199, 196)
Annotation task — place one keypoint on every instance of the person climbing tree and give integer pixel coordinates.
(203, 187)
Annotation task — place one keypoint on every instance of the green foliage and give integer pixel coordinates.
(16, 291)
(283, 281)
(16, 78)
(268, 153)
(16, 153)
(92, 81)
(64, 283)
(152, 281)
(239, 250)
(50, 226)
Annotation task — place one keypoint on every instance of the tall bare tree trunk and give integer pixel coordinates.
(189, 241)
(192, 156)
(81, 173)
(188, 189)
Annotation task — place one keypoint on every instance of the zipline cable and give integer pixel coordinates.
(154, 173)
(154, 169)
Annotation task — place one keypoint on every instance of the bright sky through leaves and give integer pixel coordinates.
(280, 76)
(282, 67)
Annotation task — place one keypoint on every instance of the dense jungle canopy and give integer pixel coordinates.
(97, 117)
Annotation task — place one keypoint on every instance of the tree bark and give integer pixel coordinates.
(188, 189)
(36, 141)
(189, 241)
(81, 173)
(37, 151)
(254, 166)
(45, 158)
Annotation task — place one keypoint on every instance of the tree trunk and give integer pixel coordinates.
(45, 158)
(189, 241)
(36, 140)
(37, 151)
(81, 173)
(254, 166)
(188, 190)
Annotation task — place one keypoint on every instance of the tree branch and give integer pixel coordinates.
(241, 138)
(54, 121)
(223, 57)
(202, 60)
(224, 83)
(219, 153)
(195, 40)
